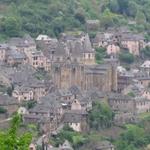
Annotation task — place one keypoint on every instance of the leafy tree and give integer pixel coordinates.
(146, 52)
(2, 110)
(126, 57)
(132, 9)
(69, 134)
(107, 19)
(140, 18)
(131, 94)
(100, 54)
(133, 138)
(114, 6)
(12, 26)
(101, 116)
(11, 140)
(123, 5)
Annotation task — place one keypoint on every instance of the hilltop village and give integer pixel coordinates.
(54, 82)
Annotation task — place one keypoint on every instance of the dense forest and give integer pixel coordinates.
(55, 16)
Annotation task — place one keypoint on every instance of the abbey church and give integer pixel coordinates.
(72, 60)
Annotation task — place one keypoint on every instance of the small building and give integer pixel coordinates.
(142, 105)
(146, 67)
(146, 93)
(113, 49)
(124, 80)
(92, 25)
(77, 120)
(14, 57)
(22, 93)
(3, 51)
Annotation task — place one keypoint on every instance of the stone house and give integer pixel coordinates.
(38, 60)
(77, 120)
(22, 93)
(125, 103)
(142, 105)
(121, 103)
(92, 25)
(144, 81)
(146, 93)
(39, 88)
(81, 104)
(48, 113)
(25, 44)
(14, 57)
(145, 67)
(102, 39)
(9, 103)
(134, 43)
(44, 39)
(3, 50)
(113, 49)
(124, 80)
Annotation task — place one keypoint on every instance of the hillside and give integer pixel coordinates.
(55, 16)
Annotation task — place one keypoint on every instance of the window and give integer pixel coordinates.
(88, 55)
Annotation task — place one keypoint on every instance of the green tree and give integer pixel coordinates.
(11, 140)
(132, 9)
(123, 5)
(107, 19)
(2, 110)
(114, 6)
(146, 52)
(101, 116)
(126, 57)
(140, 18)
(100, 54)
(12, 26)
(132, 138)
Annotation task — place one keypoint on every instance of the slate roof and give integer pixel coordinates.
(6, 100)
(26, 41)
(16, 54)
(73, 116)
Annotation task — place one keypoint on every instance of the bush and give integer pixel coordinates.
(126, 57)
(3, 110)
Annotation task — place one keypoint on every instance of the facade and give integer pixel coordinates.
(146, 94)
(77, 120)
(3, 51)
(113, 49)
(23, 94)
(145, 67)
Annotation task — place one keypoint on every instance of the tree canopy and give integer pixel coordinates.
(101, 116)
(12, 140)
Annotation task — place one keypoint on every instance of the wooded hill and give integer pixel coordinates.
(55, 16)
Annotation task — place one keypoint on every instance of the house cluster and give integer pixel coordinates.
(115, 40)
(23, 51)
(62, 77)
(68, 107)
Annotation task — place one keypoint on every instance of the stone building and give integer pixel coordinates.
(73, 63)
(77, 120)
(145, 67)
